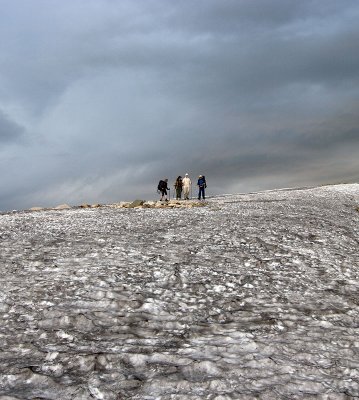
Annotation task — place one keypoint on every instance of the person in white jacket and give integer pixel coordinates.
(186, 186)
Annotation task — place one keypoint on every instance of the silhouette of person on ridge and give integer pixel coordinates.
(186, 185)
(201, 183)
(162, 188)
(178, 187)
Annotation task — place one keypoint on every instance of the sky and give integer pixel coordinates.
(100, 99)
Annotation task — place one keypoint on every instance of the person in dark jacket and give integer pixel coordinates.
(178, 187)
(162, 188)
(201, 183)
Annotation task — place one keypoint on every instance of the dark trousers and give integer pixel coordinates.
(201, 192)
(178, 192)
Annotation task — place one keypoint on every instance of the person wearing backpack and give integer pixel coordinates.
(201, 183)
(162, 188)
(186, 186)
(178, 187)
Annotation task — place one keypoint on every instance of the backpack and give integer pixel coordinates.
(161, 185)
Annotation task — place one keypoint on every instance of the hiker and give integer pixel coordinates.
(186, 185)
(201, 186)
(178, 187)
(162, 188)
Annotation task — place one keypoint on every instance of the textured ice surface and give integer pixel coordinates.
(253, 296)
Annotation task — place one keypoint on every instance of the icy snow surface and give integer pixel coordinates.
(252, 296)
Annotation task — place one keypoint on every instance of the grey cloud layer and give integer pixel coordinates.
(10, 131)
(110, 96)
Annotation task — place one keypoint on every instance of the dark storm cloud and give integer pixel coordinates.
(111, 96)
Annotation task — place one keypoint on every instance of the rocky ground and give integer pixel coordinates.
(252, 296)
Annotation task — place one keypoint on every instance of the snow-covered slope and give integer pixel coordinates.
(252, 296)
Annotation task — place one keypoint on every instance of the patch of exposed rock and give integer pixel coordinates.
(131, 204)
(160, 204)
